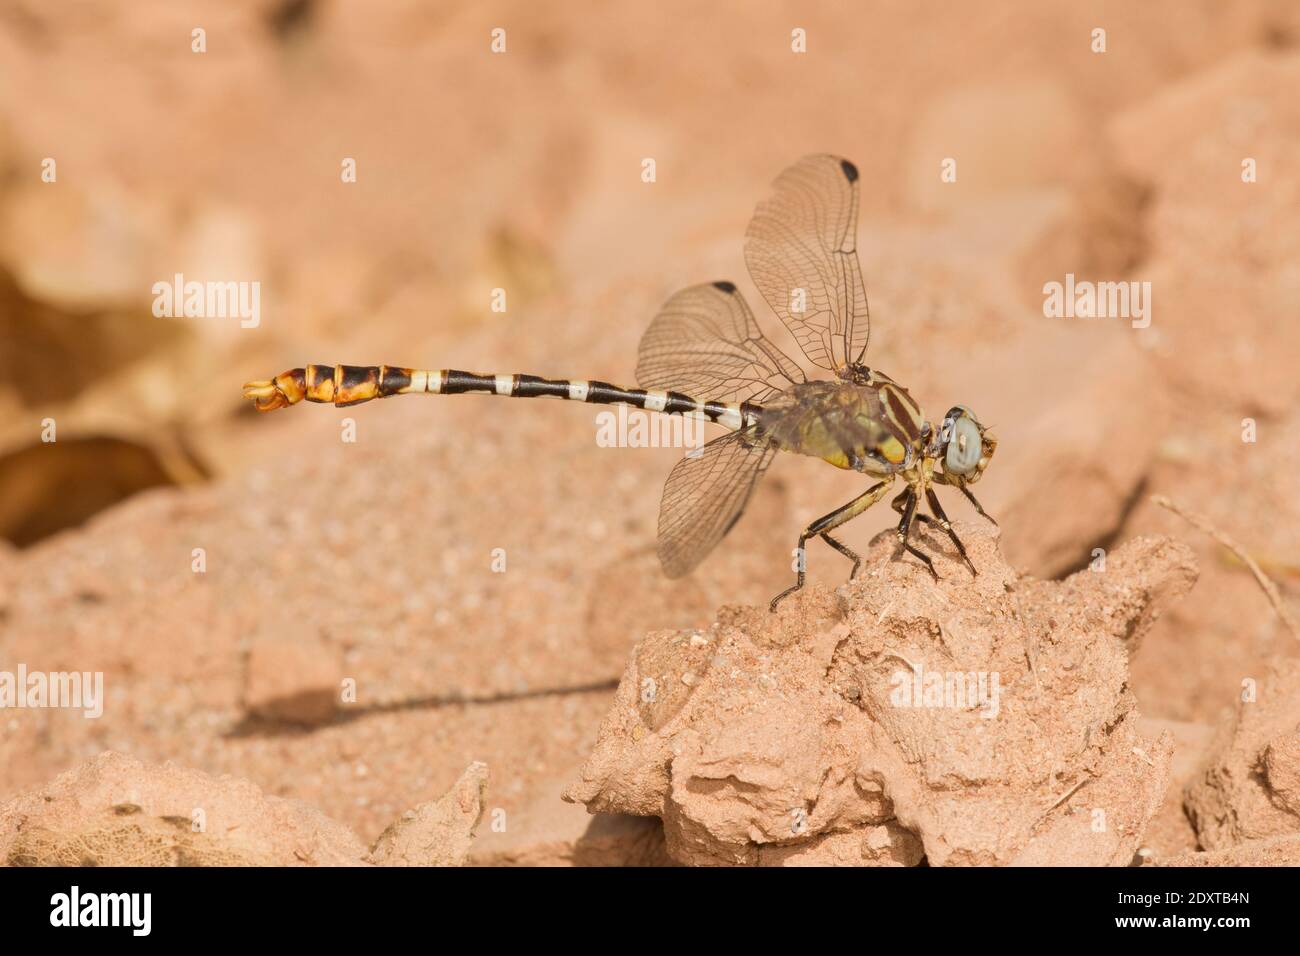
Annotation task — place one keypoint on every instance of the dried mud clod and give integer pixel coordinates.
(1250, 787)
(116, 810)
(437, 833)
(968, 721)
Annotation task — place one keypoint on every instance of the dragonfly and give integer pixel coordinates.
(705, 356)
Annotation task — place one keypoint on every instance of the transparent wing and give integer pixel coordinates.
(825, 421)
(801, 249)
(705, 342)
(704, 496)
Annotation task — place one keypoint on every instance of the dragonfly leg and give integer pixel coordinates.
(978, 507)
(900, 501)
(830, 522)
(905, 529)
(847, 552)
(943, 522)
(960, 485)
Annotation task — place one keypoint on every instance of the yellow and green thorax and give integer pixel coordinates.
(870, 424)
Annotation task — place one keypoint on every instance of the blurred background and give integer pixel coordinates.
(522, 170)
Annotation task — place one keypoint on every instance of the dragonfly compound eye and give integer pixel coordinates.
(965, 447)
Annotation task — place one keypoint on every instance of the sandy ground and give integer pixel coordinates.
(373, 565)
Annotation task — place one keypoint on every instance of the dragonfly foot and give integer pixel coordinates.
(783, 595)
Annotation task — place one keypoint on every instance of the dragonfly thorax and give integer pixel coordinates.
(874, 428)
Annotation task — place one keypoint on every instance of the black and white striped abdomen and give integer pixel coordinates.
(728, 414)
(353, 384)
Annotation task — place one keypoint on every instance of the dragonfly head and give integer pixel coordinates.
(964, 445)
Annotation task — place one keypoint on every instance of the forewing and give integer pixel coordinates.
(704, 496)
(705, 342)
(801, 249)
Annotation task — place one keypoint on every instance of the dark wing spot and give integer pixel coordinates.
(850, 171)
(727, 287)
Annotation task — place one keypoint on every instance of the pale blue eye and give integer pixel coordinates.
(964, 449)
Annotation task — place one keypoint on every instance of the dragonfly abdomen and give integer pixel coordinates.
(344, 385)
